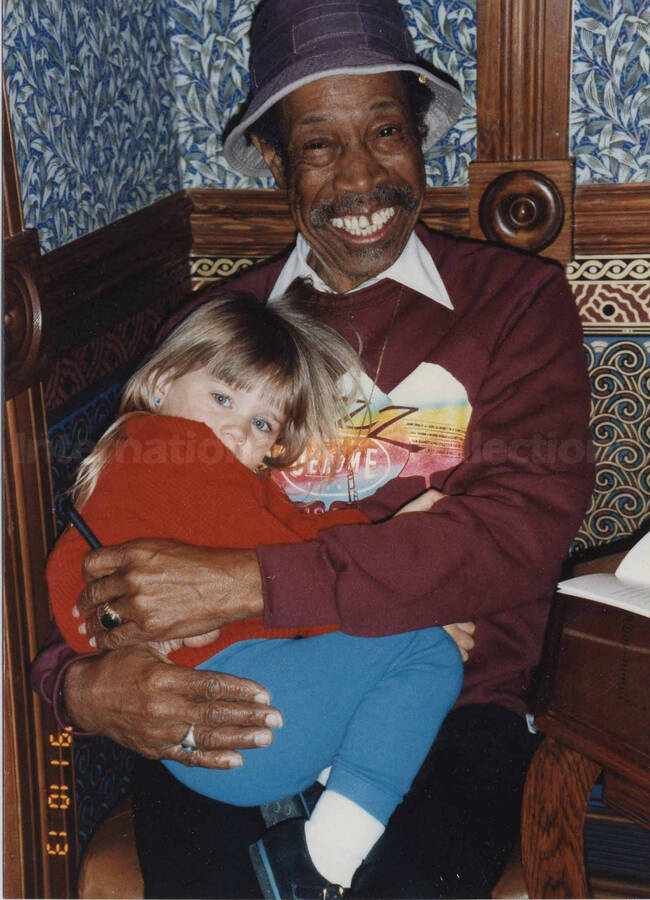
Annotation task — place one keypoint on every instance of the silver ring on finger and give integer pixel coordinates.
(189, 741)
(108, 618)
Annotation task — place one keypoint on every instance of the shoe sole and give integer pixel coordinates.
(294, 807)
(263, 872)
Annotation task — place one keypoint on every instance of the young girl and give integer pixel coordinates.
(237, 389)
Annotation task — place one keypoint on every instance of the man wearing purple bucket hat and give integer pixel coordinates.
(477, 387)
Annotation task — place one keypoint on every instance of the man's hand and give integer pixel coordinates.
(422, 503)
(164, 589)
(137, 698)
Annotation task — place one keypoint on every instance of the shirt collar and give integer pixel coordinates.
(414, 268)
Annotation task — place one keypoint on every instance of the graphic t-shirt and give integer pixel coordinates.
(415, 430)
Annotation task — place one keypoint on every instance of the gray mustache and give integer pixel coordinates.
(351, 204)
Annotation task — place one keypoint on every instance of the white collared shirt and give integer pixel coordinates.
(414, 268)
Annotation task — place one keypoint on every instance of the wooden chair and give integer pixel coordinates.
(110, 866)
(588, 648)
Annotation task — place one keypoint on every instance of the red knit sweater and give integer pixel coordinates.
(172, 478)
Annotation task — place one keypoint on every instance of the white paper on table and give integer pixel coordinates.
(628, 588)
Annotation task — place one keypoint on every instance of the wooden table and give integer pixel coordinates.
(594, 710)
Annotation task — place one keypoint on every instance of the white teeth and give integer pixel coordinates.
(361, 225)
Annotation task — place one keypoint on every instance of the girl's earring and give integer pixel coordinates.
(158, 401)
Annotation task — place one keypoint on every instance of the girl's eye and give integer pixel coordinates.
(261, 424)
(222, 399)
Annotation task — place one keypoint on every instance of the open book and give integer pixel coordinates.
(628, 588)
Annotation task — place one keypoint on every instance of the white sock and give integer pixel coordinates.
(324, 776)
(339, 836)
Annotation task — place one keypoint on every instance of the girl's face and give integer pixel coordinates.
(247, 422)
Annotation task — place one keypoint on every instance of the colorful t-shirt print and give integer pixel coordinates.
(417, 429)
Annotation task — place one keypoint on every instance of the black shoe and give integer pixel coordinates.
(297, 806)
(284, 869)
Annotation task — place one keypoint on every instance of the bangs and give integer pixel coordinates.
(272, 380)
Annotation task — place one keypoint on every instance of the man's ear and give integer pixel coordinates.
(272, 159)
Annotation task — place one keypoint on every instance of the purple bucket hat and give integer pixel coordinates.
(294, 42)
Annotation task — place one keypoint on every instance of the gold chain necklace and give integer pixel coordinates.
(353, 493)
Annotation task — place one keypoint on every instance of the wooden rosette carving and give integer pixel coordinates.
(22, 326)
(523, 209)
(527, 205)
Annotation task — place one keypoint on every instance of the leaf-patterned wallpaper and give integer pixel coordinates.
(115, 105)
(610, 90)
(91, 101)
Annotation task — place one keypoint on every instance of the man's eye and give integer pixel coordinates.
(315, 146)
(222, 399)
(389, 131)
(261, 424)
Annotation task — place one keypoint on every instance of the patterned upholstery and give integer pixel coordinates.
(82, 394)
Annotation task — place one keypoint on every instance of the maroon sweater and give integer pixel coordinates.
(487, 402)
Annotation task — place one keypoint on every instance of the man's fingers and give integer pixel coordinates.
(101, 562)
(232, 738)
(219, 686)
(220, 714)
(199, 685)
(422, 503)
(200, 640)
(114, 639)
(212, 747)
(103, 590)
(215, 759)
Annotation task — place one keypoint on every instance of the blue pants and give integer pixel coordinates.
(369, 707)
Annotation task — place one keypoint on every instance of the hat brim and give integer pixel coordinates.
(444, 109)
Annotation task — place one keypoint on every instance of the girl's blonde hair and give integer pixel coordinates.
(280, 348)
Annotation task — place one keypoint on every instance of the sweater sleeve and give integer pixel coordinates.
(170, 478)
(516, 501)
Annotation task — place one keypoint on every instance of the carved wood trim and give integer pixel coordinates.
(552, 821)
(612, 218)
(12, 207)
(40, 863)
(526, 205)
(240, 222)
(23, 320)
(101, 278)
(447, 209)
(628, 797)
(256, 223)
(250, 223)
(523, 56)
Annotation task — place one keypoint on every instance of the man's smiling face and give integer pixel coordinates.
(353, 170)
